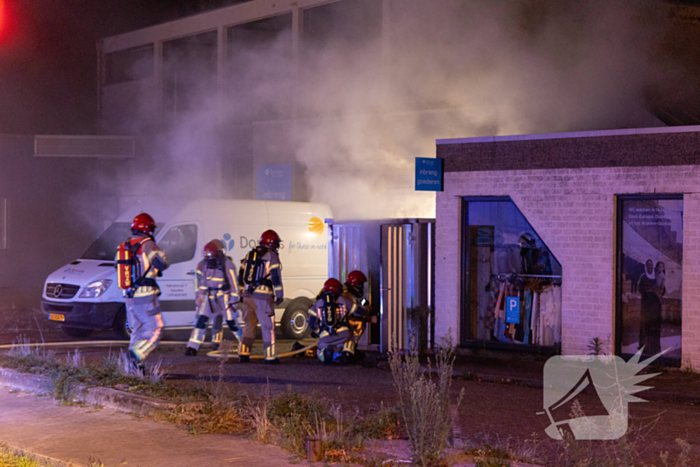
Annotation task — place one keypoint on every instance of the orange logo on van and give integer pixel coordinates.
(316, 226)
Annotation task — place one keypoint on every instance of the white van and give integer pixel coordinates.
(84, 295)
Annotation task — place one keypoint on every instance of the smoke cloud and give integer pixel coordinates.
(359, 106)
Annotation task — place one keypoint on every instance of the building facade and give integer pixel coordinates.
(594, 233)
(57, 194)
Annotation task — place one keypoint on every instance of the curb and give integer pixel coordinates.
(107, 397)
(18, 381)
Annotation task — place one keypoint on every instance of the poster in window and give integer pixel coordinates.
(651, 275)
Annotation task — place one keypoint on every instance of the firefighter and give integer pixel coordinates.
(142, 306)
(260, 277)
(328, 320)
(354, 290)
(216, 294)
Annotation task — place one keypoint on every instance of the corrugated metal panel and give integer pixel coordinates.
(398, 257)
(84, 146)
(348, 250)
(397, 285)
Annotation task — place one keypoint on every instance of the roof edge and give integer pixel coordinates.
(576, 134)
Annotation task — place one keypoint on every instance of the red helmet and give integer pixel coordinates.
(144, 224)
(270, 239)
(332, 285)
(214, 249)
(356, 278)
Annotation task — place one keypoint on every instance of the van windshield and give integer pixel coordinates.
(105, 247)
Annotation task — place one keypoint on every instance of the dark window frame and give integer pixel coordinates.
(619, 200)
(115, 73)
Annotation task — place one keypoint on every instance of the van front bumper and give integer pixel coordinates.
(81, 314)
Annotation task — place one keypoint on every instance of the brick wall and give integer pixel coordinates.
(573, 211)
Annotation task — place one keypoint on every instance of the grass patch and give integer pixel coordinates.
(214, 415)
(426, 404)
(9, 458)
(115, 371)
(289, 419)
(297, 417)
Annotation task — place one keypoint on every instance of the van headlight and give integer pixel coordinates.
(96, 288)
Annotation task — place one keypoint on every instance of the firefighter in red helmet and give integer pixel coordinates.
(328, 318)
(354, 290)
(142, 305)
(260, 277)
(216, 294)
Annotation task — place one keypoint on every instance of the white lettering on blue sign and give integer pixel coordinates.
(513, 310)
(428, 174)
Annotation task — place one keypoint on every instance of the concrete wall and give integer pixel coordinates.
(573, 211)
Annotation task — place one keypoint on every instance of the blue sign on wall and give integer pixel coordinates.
(428, 174)
(274, 182)
(513, 310)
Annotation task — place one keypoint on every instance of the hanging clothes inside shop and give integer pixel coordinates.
(538, 320)
(508, 269)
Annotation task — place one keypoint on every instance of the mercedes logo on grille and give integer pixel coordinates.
(58, 290)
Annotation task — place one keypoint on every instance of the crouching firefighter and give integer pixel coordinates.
(139, 262)
(354, 290)
(260, 277)
(328, 320)
(216, 295)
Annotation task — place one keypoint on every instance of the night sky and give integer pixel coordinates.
(48, 59)
(48, 55)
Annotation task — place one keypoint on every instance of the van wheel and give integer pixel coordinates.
(121, 325)
(76, 332)
(295, 321)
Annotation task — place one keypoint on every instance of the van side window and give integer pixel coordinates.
(179, 243)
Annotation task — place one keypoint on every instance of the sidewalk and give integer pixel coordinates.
(671, 385)
(40, 426)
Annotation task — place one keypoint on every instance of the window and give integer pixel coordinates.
(105, 247)
(129, 65)
(511, 282)
(649, 275)
(189, 72)
(341, 55)
(179, 243)
(260, 68)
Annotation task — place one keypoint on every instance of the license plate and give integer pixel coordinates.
(56, 317)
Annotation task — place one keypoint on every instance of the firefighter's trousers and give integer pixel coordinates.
(358, 326)
(257, 309)
(336, 343)
(143, 314)
(213, 309)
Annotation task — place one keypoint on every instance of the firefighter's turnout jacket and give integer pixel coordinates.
(217, 282)
(151, 262)
(269, 277)
(216, 291)
(142, 306)
(358, 321)
(258, 299)
(334, 331)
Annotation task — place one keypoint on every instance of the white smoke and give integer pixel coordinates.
(358, 108)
